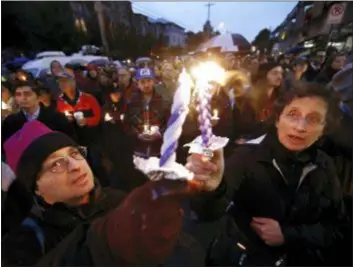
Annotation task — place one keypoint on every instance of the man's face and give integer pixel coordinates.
(66, 85)
(320, 57)
(124, 77)
(26, 98)
(338, 63)
(146, 85)
(65, 176)
(93, 73)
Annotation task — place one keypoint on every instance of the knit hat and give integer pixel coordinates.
(27, 149)
(264, 68)
(144, 229)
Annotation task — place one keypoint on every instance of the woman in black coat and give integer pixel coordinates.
(286, 202)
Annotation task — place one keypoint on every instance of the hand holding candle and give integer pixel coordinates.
(108, 118)
(4, 106)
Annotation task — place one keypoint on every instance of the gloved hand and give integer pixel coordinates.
(144, 228)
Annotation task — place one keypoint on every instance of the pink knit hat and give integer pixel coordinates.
(29, 147)
(19, 141)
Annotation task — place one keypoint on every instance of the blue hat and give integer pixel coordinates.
(145, 73)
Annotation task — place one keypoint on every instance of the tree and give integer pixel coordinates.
(36, 26)
(263, 40)
(195, 39)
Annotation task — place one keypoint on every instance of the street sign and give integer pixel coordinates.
(336, 13)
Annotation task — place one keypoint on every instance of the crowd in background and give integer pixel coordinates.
(69, 137)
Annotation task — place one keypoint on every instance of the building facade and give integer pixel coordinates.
(308, 24)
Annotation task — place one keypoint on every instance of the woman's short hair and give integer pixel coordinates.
(305, 89)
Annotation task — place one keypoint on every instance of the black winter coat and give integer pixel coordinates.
(300, 191)
(22, 246)
(51, 118)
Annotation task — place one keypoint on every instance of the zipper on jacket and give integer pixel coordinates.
(279, 170)
(306, 170)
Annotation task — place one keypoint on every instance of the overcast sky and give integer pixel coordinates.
(246, 18)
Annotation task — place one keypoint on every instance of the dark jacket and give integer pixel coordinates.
(136, 116)
(311, 73)
(300, 191)
(91, 244)
(325, 76)
(51, 118)
(22, 246)
(339, 146)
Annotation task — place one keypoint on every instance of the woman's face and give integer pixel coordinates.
(65, 177)
(274, 77)
(56, 68)
(302, 123)
(338, 63)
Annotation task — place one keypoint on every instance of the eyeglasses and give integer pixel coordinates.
(309, 121)
(61, 164)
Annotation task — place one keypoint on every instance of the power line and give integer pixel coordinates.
(156, 15)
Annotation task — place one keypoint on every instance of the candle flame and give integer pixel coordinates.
(107, 117)
(4, 106)
(209, 71)
(67, 113)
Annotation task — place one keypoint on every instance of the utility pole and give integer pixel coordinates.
(209, 5)
(98, 7)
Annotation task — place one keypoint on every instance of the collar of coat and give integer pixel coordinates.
(264, 153)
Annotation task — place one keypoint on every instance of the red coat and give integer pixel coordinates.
(85, 103)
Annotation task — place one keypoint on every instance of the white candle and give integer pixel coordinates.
(122, 117)
(4, 106)
(215, 113)
(146, 129)
(180, 110)
(107, 117)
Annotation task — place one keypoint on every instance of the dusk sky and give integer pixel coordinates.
(246, 18)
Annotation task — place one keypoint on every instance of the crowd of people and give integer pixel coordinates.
(280, 192)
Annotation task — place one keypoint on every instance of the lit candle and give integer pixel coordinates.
(146, 129)
(204, 74)
(122, 117)
(107, 117)
(215, 115)
(4, 106)
(67, 113)
(180, 109)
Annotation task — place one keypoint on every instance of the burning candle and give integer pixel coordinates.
(122, 117)
(204, 74)
(4, 106)
(215, 115)
(146, 129)
(107, 117)
(67, 113)
(179, 111)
